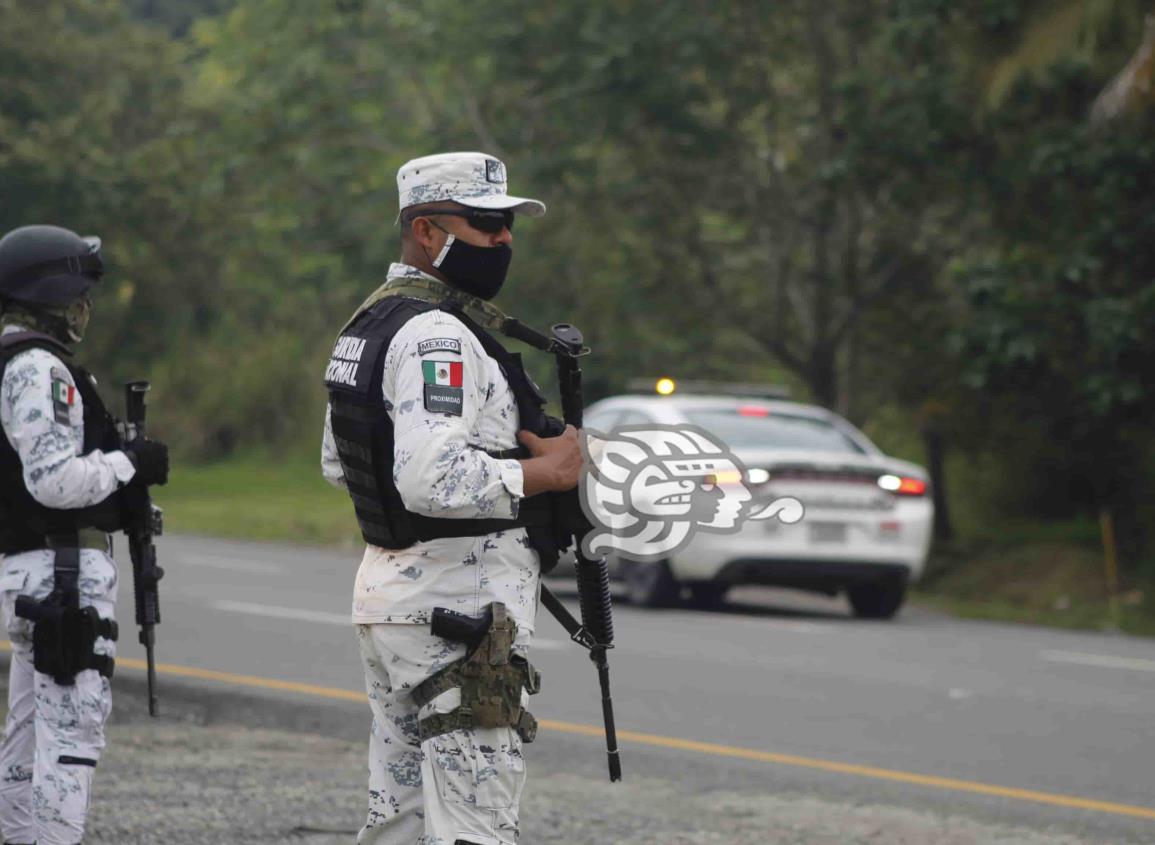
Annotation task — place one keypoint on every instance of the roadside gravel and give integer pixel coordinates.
(212, 770)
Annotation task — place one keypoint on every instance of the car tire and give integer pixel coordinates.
(877, 600)
(651, 584)
(706, 595)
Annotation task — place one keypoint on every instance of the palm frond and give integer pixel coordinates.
(1056, 29)
(1134, 88)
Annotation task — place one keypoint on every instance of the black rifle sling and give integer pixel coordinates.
(530, 400)
(577, 632)
(66, 566)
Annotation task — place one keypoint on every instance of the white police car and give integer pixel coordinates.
(868, 517)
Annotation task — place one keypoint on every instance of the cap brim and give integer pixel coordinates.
(504, 202)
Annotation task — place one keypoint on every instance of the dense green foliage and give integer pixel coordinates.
(799, 192)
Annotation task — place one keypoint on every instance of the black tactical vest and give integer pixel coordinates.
(25, 524)
(363, 433)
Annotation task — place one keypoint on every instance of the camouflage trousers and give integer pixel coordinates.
(464, 785)
(44, 791)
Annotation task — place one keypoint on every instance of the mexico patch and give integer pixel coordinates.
(443, 400)
(442, 373)
(63, 398)
(439, 344)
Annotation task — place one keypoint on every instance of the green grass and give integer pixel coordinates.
(1081, 615)
(260, 498)
(1049, 574)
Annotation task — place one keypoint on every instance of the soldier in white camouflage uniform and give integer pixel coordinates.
(425, 420)
(58, 482)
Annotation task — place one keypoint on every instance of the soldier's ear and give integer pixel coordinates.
(424, 232)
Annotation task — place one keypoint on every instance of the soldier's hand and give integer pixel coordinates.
(556, 462)
(150, 457)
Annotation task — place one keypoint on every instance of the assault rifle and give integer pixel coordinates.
(144, 521)
(596, 631)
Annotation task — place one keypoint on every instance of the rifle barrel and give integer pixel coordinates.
(612, 756)
(153, 698)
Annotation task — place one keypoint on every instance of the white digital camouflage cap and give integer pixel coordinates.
(475, 180)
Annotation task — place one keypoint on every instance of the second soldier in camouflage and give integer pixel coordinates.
(440, 439)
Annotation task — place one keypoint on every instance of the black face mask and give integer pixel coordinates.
(477, 270)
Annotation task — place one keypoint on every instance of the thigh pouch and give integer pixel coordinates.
(491, 679)
(64, 634)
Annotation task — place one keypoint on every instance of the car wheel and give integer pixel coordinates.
(651, 584)
(707, 594)
(877, 600)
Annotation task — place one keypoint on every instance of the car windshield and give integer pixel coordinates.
(756, 428)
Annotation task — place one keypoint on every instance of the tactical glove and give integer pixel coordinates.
(150, 458)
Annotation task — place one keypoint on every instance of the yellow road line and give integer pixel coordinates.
(893, 775)
(861, 771)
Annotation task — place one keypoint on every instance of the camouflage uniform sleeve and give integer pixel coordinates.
(330, 463)
(43, 418)
(440, 465)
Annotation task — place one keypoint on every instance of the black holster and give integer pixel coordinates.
(63, 633)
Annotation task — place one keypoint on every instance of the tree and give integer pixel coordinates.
(1015, 38)
(764, 176)
(92, 138)
(177, 16)
(1133, 90)
(1062, 297)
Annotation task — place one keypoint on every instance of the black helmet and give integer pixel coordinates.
(47, 265)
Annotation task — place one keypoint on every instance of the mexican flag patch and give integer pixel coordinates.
(63, 393)
(63, 398)
(443, 373)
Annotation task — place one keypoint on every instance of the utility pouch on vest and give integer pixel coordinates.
(490, 677)
(64, 634)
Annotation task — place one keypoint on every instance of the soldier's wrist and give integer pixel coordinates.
(540, 475)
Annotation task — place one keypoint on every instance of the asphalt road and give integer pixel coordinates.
(1008, 724)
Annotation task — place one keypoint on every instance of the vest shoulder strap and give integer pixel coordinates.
(14, 342)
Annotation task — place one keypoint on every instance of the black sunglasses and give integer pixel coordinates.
(489, 222)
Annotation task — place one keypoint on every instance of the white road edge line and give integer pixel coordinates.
(293, 613)
(303, 615)
(228, 564)
(1105, 660)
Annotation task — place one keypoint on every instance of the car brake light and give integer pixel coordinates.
(902, 486)
(912, 487)
(723, 477)
(753, 411)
